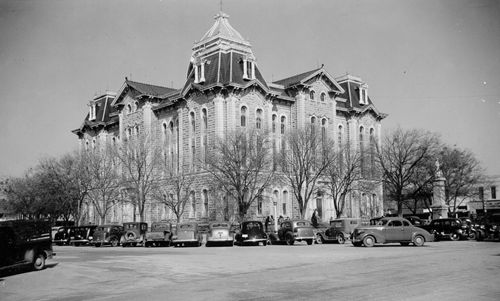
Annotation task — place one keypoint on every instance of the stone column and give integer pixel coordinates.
(439, 207)
(352, 133)
(301, 110)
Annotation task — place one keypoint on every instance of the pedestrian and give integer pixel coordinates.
(314, 219)
(280, 219)
(268, 219)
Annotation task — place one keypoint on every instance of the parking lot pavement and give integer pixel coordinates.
(464, 270)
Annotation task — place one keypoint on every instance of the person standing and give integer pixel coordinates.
(314, 219)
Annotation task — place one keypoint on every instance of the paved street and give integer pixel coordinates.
(464, 270)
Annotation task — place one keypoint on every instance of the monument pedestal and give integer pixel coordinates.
(439, 211)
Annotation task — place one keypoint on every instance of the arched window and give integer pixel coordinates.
(323, 96)
(258, 119)
(129, 109)
(164, 133)
(362, 148)
(283, 130)
(372, 152)
(274, 120)
(285, 202)
(311, 95)
(339, 137)
(205, 203)
(192, 131)
(177, 142)
(324, 123)
(171, 144)
(204, 135)
(136, 106)
(192, 198)
(243, 116)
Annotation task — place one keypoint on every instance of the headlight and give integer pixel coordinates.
(90, 238)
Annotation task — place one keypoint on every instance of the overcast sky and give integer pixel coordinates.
(429, 64)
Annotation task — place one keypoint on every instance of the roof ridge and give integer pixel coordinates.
(142, 83)
(300, 75)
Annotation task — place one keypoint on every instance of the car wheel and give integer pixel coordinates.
(319, 239)
(264, 243)
(97, 245)
(309, 242)
(404, 243)
(454, 236)
(340, 239)
(289, 239)
(39, 262)
(369, 241)
(471, 236)
(114, 242)
(419, 241)
(356, 244)
(207, 244)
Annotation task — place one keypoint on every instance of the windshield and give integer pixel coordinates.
(303, 224)
(160, 227)
(132, 226)
(252, 225)
(382, 222)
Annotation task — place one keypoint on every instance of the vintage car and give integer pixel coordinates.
(61, 237)
(446, 228)
(220, 233)
(81, 235)
(134, 234)
(251, 233)
(188, 234)
(24, 243)
(339, 231)
(291, 231)
(390, 230)
(488, 228)
(107, 235)
(160, 235)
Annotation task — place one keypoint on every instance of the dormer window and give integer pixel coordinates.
(199, 73)
(363, 96)
(248, 69)
(92, 112)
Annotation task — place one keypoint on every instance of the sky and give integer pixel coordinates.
(432, 65)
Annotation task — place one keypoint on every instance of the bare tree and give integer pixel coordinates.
(104, 188)
(343, 176)
(240, 165)
(463, 175)
(141, 164)
(303, 162)
(23, 197)
(401, 157)
(175, 193)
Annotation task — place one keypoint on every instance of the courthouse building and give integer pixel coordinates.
(226, 91)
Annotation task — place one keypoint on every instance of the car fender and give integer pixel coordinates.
(378, 238)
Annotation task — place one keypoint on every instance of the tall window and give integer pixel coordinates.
(258, 119)
(204, 134)
(372, 152)
(274, 121)
(177, 142)
(171, 144)
(192, 138)
(323, 97)
(313, 138)
(205, 202)
(493, 192)
(283, 129)
(259, 205)
(311, 95)
(192, 198)
(323, 131)
(362, 149)
(243, 116)
(285, 202)
(481, 193)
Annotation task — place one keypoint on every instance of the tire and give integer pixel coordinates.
(319, 239)
(289, 239)
(472, 236)
(404, 243)
(340, 239)
(369, 241)
(39, 262)
(114, 242)
(309, 242)
(454, 236)
(356, 244)
(207, 244)
(147, 244)
(264, 243)
(97, 245)
(418, 241)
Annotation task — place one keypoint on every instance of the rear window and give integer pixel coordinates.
(220, 225)
(252, 225)
(337, 224)
(303, 224)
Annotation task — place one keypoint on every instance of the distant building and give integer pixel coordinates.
(225, 91)
(487, 200)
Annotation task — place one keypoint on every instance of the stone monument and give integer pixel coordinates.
(439, 207)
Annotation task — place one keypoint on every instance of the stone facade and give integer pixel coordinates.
(223, 87)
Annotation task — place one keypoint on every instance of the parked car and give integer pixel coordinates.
(318, 230)
(469, 228)
(415, 220)
(188, 234)
(291, 231)
(107, 235)
(251, 233)
(220, 233)
(390, 230)
(446, 228)
(160, 235)
(81, 235)
(134, 234)
(61, 237)
(488, 228)
(339, 230)
(25, 243)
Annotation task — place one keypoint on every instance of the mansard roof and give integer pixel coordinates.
(141, 89)
(106, 114)
(308, 77)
